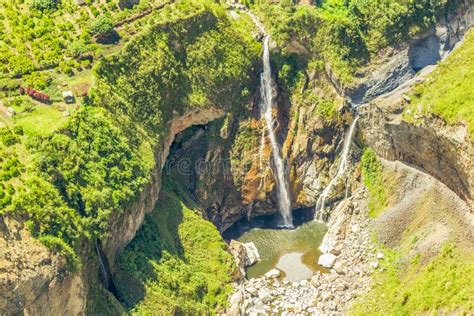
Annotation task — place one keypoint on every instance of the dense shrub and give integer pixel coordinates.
(8, 137)
(349, 34)
(58, 245)
(6, 194)
(93, 167)
(44, 4)
(103, 29)
(38, 80)
(10, 168)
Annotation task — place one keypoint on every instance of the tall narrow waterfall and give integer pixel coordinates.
(340, 170)
(266, 88)
(103, 269)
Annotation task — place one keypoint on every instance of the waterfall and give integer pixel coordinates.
(341, 169)
(102, 267)
(266, 105)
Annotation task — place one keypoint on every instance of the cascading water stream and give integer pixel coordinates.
(341, 169)
(266, 106)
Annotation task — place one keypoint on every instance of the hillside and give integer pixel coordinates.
(116, 199)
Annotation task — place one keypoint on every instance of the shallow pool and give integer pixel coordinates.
(294, 252)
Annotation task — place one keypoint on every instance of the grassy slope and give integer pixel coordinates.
(65, 176)
(415, 284)
(32, 40)
(410, 288)
(449, 92)
(177, 262)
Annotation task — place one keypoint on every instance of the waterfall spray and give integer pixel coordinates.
(341, 169)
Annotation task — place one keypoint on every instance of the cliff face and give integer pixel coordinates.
(33, 280)
(157, 86)
(227, 165)
(427, 141)
(221, 153)
(442, 151)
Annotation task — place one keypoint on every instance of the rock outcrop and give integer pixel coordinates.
(33, 280)
(245, 255)
(401, 64)
(441, 150)
(227, 165)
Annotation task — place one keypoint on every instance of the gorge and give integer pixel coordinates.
(337, 137)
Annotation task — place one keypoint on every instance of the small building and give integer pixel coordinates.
(68, 97)
(80, 2)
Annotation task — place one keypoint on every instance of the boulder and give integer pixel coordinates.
(327, 260)
(264, 295)
(237, 250)
(251, 290)
(339, 268)
(273, 273)
(324, 248)
(355, 228)
(251, 254)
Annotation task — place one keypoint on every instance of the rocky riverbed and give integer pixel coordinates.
(348, 253)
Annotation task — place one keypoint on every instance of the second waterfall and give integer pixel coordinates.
(266, 90)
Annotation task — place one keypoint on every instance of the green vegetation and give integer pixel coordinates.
(410, 288)
(103, 29)
(448, 92)
(65, 176)
(101, 25)
(243, 147)
(177, 263)
(213, 70)
(373, 180)
(58, 245)
(93, 166)
(348, 35)
(44, 4)
(40, 120)
(50, 33)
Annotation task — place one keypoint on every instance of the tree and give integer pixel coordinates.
(44, 4)
(103, 29)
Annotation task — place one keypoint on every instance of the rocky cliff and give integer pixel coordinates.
(35, 281)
